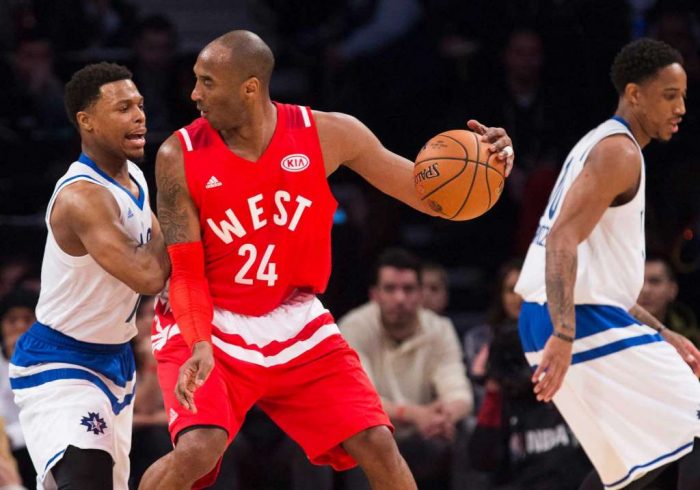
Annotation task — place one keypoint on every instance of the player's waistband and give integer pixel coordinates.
(277, 338)
(53, 336)
(43, 346)
(601, 330)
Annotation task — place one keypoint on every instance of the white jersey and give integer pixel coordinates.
(78, 297)
(611, 260)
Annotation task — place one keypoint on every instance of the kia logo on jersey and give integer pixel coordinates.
(295, 163)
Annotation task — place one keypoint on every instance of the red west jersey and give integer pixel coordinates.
(266, 225)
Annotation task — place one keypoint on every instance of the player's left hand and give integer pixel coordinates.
(499, 140)
(193, 373)
(685, 348)
(549, 375)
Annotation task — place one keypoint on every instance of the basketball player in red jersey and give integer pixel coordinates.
(246, 211)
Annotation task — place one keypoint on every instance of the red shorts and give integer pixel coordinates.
(319, 398)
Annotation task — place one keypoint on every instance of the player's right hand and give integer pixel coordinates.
(193, 374)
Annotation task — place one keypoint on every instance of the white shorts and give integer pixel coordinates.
(631, 400)
(73, 393)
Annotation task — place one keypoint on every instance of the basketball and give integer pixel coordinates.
(457, 175)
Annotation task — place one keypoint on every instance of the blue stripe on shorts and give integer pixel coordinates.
(536, 328)
(43, 345)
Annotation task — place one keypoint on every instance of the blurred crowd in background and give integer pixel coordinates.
(408, 69)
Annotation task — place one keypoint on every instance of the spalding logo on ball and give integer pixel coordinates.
(457, 176)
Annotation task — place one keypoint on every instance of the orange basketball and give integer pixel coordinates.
(458, 176)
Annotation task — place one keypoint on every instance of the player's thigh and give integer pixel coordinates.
(324, 402)
(67, 413)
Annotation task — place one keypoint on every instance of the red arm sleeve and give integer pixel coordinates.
(189, 293)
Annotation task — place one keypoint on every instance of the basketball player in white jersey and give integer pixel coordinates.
(611, 368)
(73, 371)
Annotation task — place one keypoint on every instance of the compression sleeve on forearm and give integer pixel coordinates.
(189, 293)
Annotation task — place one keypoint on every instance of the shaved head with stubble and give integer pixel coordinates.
(233, 75)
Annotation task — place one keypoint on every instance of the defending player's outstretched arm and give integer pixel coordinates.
(610, 177)
(347, 141)
(85, 219)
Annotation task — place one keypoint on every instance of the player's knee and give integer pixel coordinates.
(84, 468)
(199, 449)
(376, 444)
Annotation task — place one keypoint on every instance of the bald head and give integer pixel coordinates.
(246, 52)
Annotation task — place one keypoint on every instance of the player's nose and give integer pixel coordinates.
(195, 95)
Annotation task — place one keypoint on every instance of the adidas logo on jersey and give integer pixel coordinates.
(129, 214)
(172, 416)
(213, 182)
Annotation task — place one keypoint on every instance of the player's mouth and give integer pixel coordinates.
(137, 138)
(674, 125)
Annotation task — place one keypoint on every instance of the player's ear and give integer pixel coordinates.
(373, 293)
(632, 92)
(251, 86)
(84, 121)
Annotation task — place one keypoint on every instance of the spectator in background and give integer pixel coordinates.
(384, 43)
(503, 314)
(16, 316)
(9, 475)
(522, 443)
(658, 297)
(413, 357)
(75, 25)
(163, 82)
(13, 271)
(32, 92)
(436, 287)
(674, 172)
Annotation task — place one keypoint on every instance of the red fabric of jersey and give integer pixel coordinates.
(266, 224)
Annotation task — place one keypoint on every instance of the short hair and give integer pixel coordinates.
(665, 262)
(251, 54)
(19, 297)
(83, 88)
(641, 60)
(399, 259)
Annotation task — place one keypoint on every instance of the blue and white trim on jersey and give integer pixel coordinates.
(600, 331)
(138, 200)
(43, 355)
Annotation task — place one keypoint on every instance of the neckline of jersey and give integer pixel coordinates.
(275, 136)
(139, 201)
(622, 121)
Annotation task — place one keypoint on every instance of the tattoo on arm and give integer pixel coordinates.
(171, 214)
(560, 277)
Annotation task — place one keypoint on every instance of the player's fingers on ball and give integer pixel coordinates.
(505, 153)
(497, 137)
(476, 126)
(509, 165)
